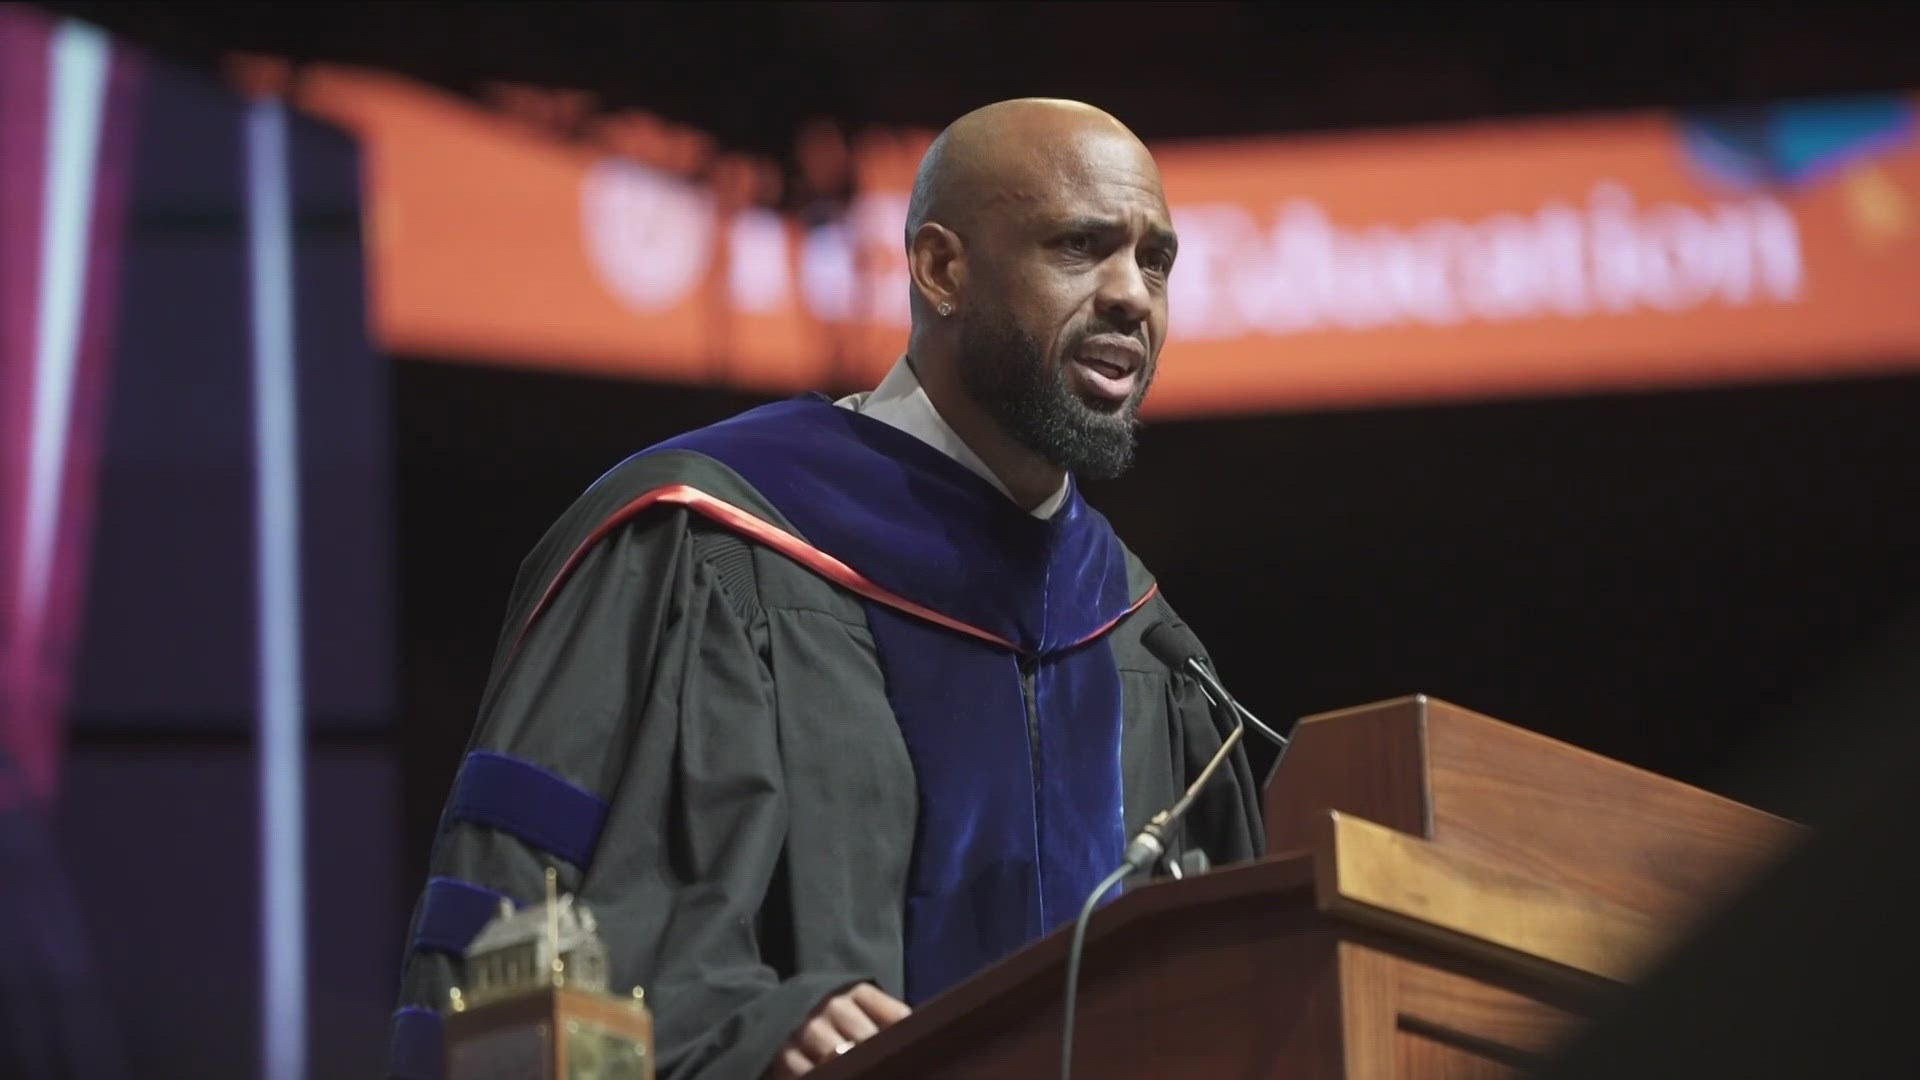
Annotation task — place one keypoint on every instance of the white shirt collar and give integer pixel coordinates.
(900, 400)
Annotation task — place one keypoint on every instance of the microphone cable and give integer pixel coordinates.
(1120, 873)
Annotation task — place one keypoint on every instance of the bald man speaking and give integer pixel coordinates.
(826, 707)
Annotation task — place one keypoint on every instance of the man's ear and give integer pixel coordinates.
(937, 261)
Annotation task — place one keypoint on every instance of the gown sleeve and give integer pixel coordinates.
(629, 741)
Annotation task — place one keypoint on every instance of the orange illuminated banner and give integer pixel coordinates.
(1416, 265)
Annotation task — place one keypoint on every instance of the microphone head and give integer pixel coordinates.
(1172, 644)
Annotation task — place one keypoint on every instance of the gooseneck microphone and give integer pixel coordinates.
(1175, 646)
(1170, 645)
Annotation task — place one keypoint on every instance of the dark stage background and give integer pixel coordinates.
(1717, 584)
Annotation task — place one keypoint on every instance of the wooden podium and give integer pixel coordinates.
(1444, 896)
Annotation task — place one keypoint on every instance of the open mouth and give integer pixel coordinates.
(1109, 370)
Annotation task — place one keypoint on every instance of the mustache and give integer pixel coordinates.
(1106, 329)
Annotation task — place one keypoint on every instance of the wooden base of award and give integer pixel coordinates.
(551, 1033)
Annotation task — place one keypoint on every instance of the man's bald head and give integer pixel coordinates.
(1039, 246)
(990, 153)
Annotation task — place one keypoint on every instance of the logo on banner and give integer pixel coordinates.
(651, 236)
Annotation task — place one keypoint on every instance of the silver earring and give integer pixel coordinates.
(946, 310)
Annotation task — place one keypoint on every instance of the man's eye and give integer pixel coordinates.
(1159, 262)
(1078, 243)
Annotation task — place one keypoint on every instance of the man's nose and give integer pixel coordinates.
(1124, 299)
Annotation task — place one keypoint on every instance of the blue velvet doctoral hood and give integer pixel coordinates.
(1016, 745)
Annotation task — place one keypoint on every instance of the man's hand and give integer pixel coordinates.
(838, 1025)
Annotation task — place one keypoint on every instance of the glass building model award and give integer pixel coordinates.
(535, 1004)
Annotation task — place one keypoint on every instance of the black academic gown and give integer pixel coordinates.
(720, 707)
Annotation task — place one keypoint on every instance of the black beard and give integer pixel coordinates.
(1004, 369)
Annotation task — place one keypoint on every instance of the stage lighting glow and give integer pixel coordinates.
(283, 974)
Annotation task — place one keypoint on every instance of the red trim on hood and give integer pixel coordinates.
(744, 523)
(1115, 621)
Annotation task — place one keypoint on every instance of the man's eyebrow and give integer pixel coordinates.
(1158, 235)
(1088, 223)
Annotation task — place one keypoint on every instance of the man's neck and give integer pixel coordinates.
(1029, 478)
